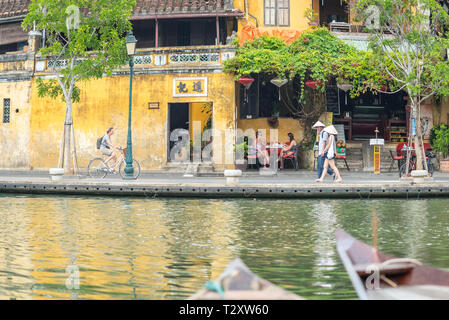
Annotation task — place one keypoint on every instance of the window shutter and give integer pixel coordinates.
(283, 13)
(270, 12)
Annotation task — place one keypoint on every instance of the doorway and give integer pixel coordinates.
(178, 119)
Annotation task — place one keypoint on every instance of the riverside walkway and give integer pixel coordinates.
(286, 184)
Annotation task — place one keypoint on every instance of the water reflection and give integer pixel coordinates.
(129, 248)
(325, 225)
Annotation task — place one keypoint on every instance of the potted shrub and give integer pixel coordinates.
(440, 143)
(312, 16)
(240, 148)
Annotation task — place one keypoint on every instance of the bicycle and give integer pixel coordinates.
(412, 164)
(97, 167)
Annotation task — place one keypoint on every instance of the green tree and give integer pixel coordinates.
(314, 56)
(85, 39)
(407, 52)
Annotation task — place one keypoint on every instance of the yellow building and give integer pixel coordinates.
(178, 84)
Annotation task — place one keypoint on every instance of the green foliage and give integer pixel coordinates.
(310, 14)
(440, 142)
(264, 54)
(207, 109)
(314, 55)
(407, 50)
(93, 47)
(241, 148)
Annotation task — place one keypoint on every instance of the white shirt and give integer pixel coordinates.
(323, 138)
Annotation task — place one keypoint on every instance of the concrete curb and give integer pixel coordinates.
(299, 191)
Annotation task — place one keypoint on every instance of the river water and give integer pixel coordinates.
(154, 248)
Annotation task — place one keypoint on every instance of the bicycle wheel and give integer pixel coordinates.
(97, 168)
(136, 167)
(402, 170)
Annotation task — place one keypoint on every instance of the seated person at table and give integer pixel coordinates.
(289, 149)
(258, 148)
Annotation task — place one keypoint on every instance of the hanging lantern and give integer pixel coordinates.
(279, 82)
(312, 84)
(246, 81)
(345, 87)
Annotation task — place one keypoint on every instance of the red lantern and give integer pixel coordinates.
(312, 84)
(246, 81)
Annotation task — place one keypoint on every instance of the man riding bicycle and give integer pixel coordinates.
(106, 146)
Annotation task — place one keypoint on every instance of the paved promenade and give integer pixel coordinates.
(294, 184)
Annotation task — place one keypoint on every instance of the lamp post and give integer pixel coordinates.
(131, 50)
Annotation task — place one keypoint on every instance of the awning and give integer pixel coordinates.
(12, 33)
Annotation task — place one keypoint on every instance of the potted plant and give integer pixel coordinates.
(240, 148)
(312, 16)
(440, 144)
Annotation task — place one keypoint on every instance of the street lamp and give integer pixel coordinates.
(131, 50)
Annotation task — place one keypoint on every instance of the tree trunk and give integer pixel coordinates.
(418, 140)
(67, 134)
(418, 137)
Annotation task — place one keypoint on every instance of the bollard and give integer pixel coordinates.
(419, 176)
(232, 176)
(56, 174)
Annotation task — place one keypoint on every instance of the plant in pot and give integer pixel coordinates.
(241, 149)
(312, 16)
(440, 144)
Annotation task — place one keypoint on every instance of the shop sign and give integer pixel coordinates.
(190, 87)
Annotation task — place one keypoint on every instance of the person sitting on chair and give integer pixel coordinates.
(258, 148)
(289, 149)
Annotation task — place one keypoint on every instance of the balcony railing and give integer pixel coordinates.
(162, 58)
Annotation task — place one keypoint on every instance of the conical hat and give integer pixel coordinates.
(318, 124)
(331, 130)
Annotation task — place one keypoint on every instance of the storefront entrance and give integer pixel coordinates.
(182, 118)
(362, 115)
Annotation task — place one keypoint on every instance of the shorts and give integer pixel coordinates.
(330, 156)
(106, 151)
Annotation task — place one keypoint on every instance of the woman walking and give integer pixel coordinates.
(331, 149)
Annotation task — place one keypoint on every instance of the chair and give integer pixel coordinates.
(293, 158)
(395, 158)
(339, 156)
(253, 160)
(341, 136)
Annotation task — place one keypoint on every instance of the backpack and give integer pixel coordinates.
(99, 142)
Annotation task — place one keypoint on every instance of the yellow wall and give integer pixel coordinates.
(256, 9)
(196, 114)
(14, 136)
(104, 103)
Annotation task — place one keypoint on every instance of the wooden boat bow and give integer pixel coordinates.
(375, 275)
(237, 282)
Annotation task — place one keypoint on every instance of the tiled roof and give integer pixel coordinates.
(182, 6)
(13, 8)
(17, 8)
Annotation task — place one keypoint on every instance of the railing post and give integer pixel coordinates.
(217, 22)
(156, 36)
